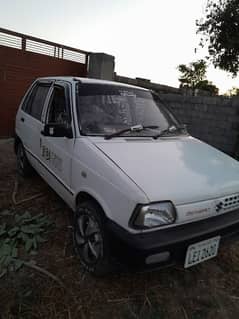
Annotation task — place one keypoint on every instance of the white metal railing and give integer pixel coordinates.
(31, 44)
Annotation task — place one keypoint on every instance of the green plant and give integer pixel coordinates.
(20, 235)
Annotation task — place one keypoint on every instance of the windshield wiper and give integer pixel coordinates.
(135, 128)
(171, 129)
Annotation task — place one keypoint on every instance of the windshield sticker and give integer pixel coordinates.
(127, 93)
(50, 156)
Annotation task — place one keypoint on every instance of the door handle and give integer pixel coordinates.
(22, 119)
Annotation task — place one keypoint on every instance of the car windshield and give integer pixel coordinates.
(105, 109)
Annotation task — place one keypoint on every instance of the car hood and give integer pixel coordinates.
(181, 169)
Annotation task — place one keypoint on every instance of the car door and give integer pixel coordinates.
(30, 121)
(56, 152)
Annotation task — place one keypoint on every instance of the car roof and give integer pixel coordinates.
(88, 80)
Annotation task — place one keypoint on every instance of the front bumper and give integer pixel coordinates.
(134, 250)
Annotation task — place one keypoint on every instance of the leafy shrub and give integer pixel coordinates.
(22, 233)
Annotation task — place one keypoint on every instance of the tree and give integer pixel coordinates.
(220, 33)
(208, 86)
(194, 76)
(234, 91)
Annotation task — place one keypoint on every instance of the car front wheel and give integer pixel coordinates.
(90, 239)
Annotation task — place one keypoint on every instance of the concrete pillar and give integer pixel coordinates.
(101, 66)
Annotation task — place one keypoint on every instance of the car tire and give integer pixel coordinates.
(90, 239)
(24, 168)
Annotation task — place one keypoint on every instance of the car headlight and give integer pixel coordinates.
(154, 215)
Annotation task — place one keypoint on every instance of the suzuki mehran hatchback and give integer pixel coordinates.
(143, 190)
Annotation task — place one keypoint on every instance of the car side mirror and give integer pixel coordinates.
(184, 128)
(57, 130)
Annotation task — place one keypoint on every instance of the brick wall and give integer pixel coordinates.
(214, 120)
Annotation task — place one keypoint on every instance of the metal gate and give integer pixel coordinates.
(24, 58)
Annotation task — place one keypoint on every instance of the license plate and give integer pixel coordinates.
(201, 251)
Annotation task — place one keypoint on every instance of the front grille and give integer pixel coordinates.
(230, 202)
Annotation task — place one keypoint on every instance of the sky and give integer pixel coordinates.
(149, 38)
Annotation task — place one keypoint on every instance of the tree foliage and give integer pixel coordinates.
(220, 33)
(208, 86)
(234, 91)
(194, 76)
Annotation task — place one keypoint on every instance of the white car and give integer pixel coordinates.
(143, 191)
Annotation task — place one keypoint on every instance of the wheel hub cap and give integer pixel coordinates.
(89, 239)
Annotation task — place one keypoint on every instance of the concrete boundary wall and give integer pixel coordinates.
(147, 84)
(214, 120)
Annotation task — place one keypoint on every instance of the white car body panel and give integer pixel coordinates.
(182, 169)
(106, 182)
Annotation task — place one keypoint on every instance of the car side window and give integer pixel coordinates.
(58, 111)
(35, 100)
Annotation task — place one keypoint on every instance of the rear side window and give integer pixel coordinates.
(35, 100)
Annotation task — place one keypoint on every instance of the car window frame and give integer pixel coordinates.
(29, 95)
(66, 87)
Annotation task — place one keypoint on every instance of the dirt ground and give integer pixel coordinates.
(209, 290)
